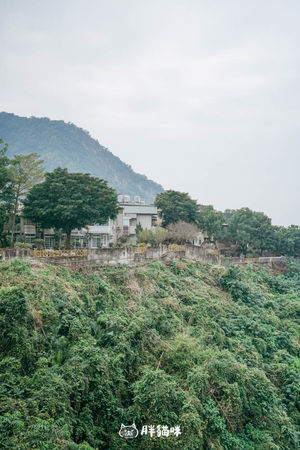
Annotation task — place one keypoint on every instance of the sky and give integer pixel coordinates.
(200, 96)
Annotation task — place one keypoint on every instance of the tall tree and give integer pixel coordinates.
(6, 196)
(26, 172)
(251, 229)
(177, 206)
(70, 200)
(211, 221)
(181, 232)
(288, 240)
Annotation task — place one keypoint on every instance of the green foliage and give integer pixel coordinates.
(288, 240)
(39, 244)
(212, 222)
(251, 229)
(6, 192)
(154, 237)
(26, 172)
(215, 351)
(65, 145)
(177, 206)
(22, 245)
(70, 200)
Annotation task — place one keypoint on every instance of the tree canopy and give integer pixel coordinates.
(251, 228)
(181, 232)
(70, 200)
(211, 221)
(177, 206)
(6, 192)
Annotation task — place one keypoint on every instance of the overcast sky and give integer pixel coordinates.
(202, 96)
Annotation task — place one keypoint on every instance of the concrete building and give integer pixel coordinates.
(95, 236)
(30, 231)
(132, 214)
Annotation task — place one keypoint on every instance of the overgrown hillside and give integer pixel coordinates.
(212, 351)
(65, 145)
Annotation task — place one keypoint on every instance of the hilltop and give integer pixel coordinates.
(212, 350)
(66, 145)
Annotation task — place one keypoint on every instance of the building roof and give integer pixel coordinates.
(139, 209)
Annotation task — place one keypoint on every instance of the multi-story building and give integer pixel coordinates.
(132, 214)
(30, 231)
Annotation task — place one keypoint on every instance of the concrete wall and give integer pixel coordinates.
(145, 221)
(11, 253)
(127, 255)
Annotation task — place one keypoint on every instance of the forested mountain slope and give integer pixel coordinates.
(65, 145)
(214, 351)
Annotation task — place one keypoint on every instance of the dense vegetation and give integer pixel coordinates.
(212, 350)
(242, 231)
(65, 145)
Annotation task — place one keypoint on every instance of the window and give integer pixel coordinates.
(49, 242)
(96, 242)
(30, 239)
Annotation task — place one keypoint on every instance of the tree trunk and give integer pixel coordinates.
(12, 231)
(68, 240)
(13, 225)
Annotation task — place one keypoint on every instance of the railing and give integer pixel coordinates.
(59, 253)
(176, 248)
(140, 250)
(211, 251)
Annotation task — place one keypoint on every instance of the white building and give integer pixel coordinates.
(132, 214)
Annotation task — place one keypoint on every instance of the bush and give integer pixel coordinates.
(39, 244)
(22, 245)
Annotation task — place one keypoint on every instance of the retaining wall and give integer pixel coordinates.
(133, 257)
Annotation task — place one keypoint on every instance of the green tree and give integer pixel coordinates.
(251, 229)
(26, 172)
(157, 236)
(211, 221)
(177, 206)
(70, 200)
(288, 240)
(6, 196)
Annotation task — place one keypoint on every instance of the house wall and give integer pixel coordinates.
(145, 221)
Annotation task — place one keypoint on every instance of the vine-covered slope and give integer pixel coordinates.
(211, 350)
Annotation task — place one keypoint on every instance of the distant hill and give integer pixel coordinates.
(62, 144)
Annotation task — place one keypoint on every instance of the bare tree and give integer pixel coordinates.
(181, 232)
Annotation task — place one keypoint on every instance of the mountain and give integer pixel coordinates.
(62, 144)
(211, 350)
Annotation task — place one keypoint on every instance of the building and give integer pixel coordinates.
(30, 231)
(95, 236)
(131, 214)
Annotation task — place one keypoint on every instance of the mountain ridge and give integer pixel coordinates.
(63, 144)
